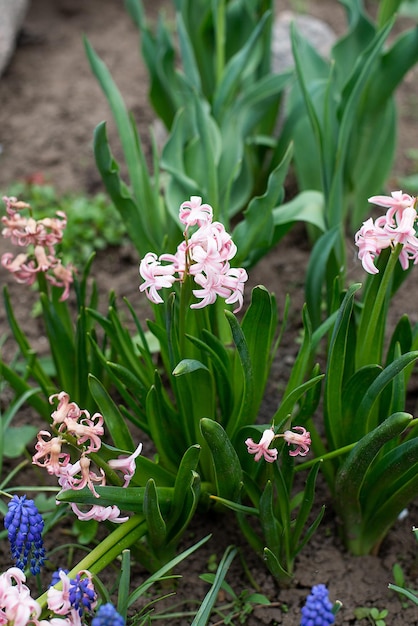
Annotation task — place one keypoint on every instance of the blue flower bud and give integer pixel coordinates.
(107, 615)
(24, 525)
(317, 609)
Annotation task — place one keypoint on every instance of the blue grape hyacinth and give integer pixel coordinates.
(107, 615)
(317, 610)
(24, 525)
(82, 595)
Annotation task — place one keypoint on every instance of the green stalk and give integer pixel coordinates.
(325, 457)
(104, 554)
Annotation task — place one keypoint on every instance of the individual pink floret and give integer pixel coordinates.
(302, 440)
(262, 449)
(49, 453)
(397, 201)
(99, 513)
(65, 409)
(156, 276)
(193, 212)
(126, 465)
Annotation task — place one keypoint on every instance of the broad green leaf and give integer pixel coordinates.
(157, 529)
(227, 469)
(334, 378)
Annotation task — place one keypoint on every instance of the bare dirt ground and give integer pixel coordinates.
(50, 105)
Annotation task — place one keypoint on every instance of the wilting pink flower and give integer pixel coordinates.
(99, 513)
(396, 227)
(261, 449)
(126, 465)
(65, 409)
(42, 235)
(51, 453)
(61, 276)
(193, 212)
(79, 475)
(301, 440)
(86, 429)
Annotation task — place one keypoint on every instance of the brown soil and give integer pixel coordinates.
(50, 106)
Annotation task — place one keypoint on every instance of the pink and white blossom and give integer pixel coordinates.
(261, 449)
(156, 276)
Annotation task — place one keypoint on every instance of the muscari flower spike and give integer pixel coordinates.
(318, 608)
(107, 615)
(82, 595)
(24, 525)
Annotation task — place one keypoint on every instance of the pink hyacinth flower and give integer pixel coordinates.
(261, 449)
(156, 276)
(301, 440)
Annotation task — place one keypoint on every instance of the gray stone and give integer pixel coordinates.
(315, 31)
(12, 14)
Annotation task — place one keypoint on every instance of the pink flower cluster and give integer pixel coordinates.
(71, 422)
(301, 440)
(397, 226)
(40, 238)
(205, 255)
(17, 606)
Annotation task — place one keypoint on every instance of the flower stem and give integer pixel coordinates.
(108, 549)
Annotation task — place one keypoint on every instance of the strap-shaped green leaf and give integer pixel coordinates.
(205, 609)
(272, 528)
(275, 567)
(388, 475)
(235, 68)
(114, 421)
(227, 469)
(337, 357)
(365, 410)
(352, 473)
(157, 529)
(246, 410)
(120, 194)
